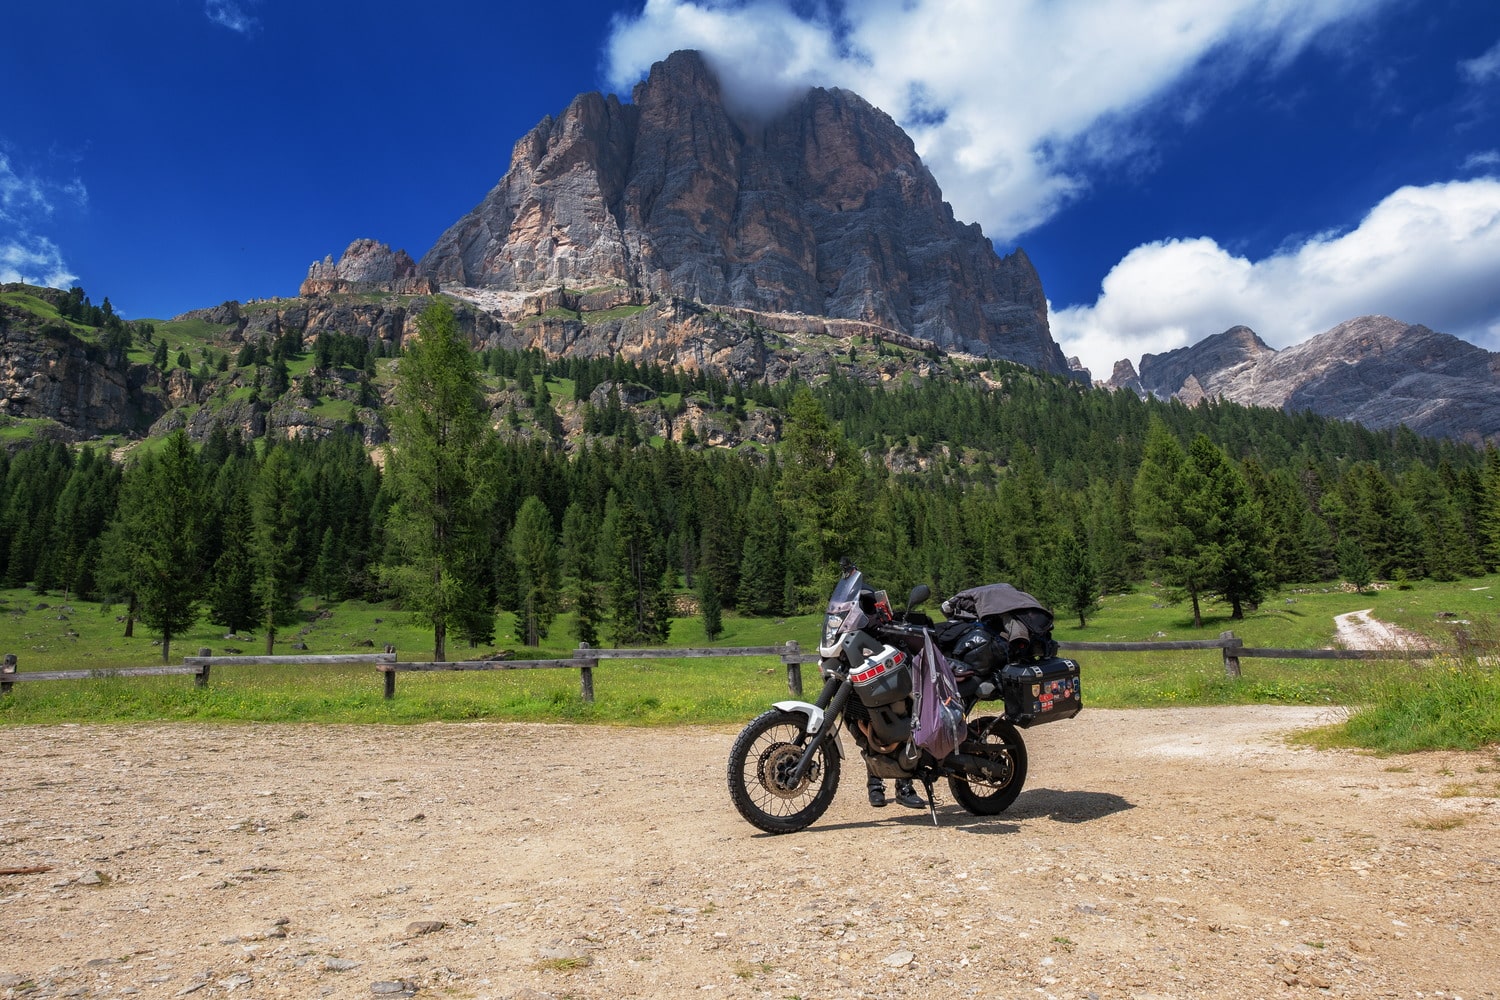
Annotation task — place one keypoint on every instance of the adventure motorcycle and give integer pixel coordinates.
(887, 681)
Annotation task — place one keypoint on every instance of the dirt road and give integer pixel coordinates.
(1177, 853)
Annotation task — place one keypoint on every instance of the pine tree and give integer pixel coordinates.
(438, 466)
(275, 559)
(156, 537)
(231, 597)
(763, 572)
(1232, 527)
(1076, 578)
(534, 547)
(578, 557)
(817, 490)
(709, 607)
(1354, 565)
(1167, 521)
(637, 612)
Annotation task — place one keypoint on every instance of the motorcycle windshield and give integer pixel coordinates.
(846, 592)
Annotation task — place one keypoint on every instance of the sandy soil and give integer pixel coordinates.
(1174, 853)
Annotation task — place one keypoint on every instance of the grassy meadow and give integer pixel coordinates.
(1397, 705)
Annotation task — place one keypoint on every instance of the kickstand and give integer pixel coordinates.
(931, 802)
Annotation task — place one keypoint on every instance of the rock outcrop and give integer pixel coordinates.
(48, 372)
(826, 211)
(1214, 361)
(367, 266)
(1374, 370)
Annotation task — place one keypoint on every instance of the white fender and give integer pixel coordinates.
(814, 718)
(813, 712)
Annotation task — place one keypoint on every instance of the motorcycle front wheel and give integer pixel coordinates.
(761, 764)
(993, 738)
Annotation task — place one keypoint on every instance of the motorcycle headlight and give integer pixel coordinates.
(831, 624)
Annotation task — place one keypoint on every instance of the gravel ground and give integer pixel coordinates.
(1172, 853)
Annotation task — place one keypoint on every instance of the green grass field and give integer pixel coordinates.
(1399, 704)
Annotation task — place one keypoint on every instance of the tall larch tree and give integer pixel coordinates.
(436, 466)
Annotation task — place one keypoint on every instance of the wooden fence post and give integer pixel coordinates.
(390, 675)
(793, 668)
(1232, 647)
(8, 666)
(200, 679)
(586, 672)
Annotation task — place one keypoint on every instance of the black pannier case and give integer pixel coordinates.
(1040, 692)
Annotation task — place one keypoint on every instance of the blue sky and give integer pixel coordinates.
(1173, 167)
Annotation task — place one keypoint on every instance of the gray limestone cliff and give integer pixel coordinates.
(825, 211)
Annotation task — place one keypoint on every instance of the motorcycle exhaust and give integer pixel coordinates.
(964, 765)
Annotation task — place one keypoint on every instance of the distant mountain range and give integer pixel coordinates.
(1374, 370)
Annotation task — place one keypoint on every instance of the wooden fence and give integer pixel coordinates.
(1234, 649)
(585, 659)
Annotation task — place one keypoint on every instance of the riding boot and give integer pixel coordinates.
(876, 787)
(906, 794)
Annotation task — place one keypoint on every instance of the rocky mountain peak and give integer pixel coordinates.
(1373, 369)
(825, 210)
(1210, 362)
(366, 266)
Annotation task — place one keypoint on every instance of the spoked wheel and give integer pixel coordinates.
(761, 764)
(997, 740)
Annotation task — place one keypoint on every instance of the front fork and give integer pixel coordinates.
(832, 699)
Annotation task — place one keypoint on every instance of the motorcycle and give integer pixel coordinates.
(784, 766)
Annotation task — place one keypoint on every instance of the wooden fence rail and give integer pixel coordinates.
(1234, 649)
(585, 659)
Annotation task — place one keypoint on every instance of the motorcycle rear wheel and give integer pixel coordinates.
(1000, 741)
(760, 764)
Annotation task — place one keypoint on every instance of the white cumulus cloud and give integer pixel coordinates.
(1009, 104)
(1427, 255)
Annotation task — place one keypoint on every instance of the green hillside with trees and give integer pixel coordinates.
(1002, 474)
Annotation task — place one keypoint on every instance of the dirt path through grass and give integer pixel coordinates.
(1172, 853)
(1361, 630)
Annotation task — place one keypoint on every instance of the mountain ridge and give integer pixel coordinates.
(1373, 369)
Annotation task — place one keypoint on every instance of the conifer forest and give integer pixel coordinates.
(1066, 491)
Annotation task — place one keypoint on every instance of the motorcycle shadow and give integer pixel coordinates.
(1067, 807)
(1036, 803)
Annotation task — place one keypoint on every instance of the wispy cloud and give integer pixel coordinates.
(231, 14)
(1484, 68)
(1012, 106)
(34, 260)
(20, 197)
(1486, 160)
(27, 202)
(1423, 255)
